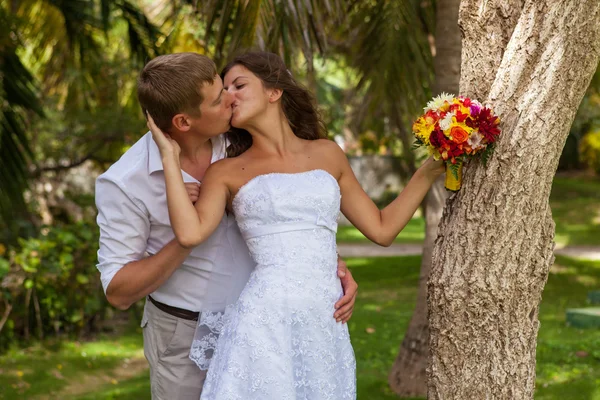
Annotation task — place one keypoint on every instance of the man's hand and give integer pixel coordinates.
(193, 190)
(345, 306)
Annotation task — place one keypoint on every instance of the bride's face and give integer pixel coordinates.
(250, 97)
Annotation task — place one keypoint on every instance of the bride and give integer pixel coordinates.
(285, 184)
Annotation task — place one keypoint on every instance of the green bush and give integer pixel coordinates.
(590, 150)
(51, 284)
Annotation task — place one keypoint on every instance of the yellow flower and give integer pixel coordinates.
(2, 249)
(434, 152)
(462, 109)
(423, 128)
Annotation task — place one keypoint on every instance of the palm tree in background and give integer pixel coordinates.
(389, 44)
(62, 42)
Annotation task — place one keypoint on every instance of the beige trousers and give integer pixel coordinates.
(167, 342)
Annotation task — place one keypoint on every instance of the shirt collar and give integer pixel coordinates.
(219, 145)
(154, 159)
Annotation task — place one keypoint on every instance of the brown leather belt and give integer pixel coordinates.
(175, 311)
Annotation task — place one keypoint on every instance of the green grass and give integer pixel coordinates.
(386, 300)
(576, 210)
(413, 232)
(575, 204)
(568, 359)
(385, 303)
(107, 368)
(561, 372)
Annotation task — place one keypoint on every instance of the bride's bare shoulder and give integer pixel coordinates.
(327, 148)
(226, 168)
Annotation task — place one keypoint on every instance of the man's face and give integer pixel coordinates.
(215, 110)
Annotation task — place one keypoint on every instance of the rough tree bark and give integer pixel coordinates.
(495, 245)
(408, 377)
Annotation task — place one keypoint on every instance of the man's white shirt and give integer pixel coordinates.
(134, 222)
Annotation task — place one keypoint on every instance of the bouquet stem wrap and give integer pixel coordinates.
(453, 183)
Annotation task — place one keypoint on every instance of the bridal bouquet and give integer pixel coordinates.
(456, 129)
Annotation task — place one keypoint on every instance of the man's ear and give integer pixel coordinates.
(275, 95)
(181, 122)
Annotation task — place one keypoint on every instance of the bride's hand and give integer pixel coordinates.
(433, 168)
(166, 145)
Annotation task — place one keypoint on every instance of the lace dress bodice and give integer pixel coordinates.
(281, 216)
(280, 340)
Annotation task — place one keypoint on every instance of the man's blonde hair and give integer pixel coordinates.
(170, 84)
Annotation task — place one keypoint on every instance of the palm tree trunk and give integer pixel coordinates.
(495, 244)
(408, 376)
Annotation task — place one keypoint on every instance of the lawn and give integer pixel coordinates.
(575, 204)
(568, 359)
(576, 211)
(114, 367)
(413, 232)
(110, 367)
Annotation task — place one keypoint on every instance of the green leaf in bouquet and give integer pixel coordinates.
(454, 169)
(487, 153)
(418, 143)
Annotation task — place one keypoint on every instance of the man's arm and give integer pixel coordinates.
(124, 229)
(345, 306)
(138, 279)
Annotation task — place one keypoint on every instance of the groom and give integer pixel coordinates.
(138, 255)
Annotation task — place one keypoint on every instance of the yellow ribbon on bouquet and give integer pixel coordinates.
(453, 183)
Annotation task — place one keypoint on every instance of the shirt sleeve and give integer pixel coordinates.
(124, 229)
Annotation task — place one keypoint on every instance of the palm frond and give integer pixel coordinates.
(390, 49)
(280, 26)
(19, 95)
(143, 34)
(62, 43)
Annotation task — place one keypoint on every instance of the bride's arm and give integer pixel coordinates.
(382, 226)
(192, 224)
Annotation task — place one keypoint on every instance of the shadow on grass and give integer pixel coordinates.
(132, 389)
(53, 369)
(385, 303)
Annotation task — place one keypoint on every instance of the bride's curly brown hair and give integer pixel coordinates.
(299, 105)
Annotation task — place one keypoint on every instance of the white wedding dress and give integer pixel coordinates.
(279, 341)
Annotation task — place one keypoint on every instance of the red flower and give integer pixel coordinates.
(460, 117)
(487, 124)
(455, 151)
(431, 114)
(437, 138)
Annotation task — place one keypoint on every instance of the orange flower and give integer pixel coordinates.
(458, 134)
